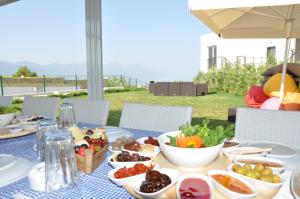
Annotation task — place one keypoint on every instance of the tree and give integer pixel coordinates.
(24, 71)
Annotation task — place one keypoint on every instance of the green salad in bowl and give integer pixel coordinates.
(199, 136)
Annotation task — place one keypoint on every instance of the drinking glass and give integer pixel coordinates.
(67, 116)
(295, 183)
(43, 127)
(60, 162)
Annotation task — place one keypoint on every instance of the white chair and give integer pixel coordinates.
(90, 111)
(268, 125)
(41, 106)
(154, 117)
(6, 100)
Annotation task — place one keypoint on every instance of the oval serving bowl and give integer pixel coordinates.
(188, 157)
(258, 183)
(172, 173)
(116, 164)
(131, 179)
(197, 176)
(228, 193)
(263, 159)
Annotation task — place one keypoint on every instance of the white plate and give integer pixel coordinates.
(131, 179)
(114, 132)
(232, 156)
(13, 168)
(172, 173)
(125, 164)
(278, 150)
(228, 193)
(264, 159)
(258, 183)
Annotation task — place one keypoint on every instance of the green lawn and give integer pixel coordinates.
(214, 106)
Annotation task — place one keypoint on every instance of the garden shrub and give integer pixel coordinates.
(234, 79)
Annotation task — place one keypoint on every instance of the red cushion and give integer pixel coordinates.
(257, 93)
(250, 102)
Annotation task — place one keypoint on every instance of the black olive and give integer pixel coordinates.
(153, 175)
(89, 132)
(85, 146)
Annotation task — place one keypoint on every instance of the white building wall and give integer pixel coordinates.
(254, 49)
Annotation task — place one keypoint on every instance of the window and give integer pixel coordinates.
(271, 51)
(212, 56)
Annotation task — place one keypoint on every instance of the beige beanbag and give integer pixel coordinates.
(291, 102)
(272, 86)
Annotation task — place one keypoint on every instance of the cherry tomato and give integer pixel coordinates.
(81, 151)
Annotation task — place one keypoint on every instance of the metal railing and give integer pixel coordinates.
(16, 86)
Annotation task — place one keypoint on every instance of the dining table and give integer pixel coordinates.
(94, 185)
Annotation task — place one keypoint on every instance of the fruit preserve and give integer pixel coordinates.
(195, 188)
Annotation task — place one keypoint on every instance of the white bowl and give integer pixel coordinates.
(131, 179)
(172, 173)
(14, 128)
(228, 148)
(188, 157)
(232, 149)
(125, 164)
(5, 119)
(227, 192)
(258, 183)
(264, 159)
(197, 176)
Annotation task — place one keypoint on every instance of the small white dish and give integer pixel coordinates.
(14, 128)
(228, 193)
(230, 147)
(131, 179)
(172, 173)
(230, 152)
(258, 183)
(197, 176)
(262, 159)
(147, 154)
(125, 164)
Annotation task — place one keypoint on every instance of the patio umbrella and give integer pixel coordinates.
(251, 19)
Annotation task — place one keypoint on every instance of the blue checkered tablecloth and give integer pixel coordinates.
(96, 185)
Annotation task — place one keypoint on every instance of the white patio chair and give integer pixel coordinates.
(90, 111)
(154, 117)
(6, 100)
(268, 125)
(41, 106)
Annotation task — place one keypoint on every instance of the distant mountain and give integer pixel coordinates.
(135, 71)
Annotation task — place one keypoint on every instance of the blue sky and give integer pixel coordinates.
(158, 34)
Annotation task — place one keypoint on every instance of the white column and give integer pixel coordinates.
(94, 49)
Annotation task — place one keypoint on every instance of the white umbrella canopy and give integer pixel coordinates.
(251, 19)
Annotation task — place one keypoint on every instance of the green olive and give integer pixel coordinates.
(248, 167)
(259, 167)
(257, 173)
(276, 178)
(266, 171)
(251, 174)
(235, 167)
(266, 178)
(242, 170)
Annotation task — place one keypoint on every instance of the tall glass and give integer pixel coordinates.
(60, 162)
(67, 115)
(43, 127)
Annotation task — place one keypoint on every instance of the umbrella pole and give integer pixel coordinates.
(284, 67)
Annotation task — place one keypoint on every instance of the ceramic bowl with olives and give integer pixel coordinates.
(259, 175)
